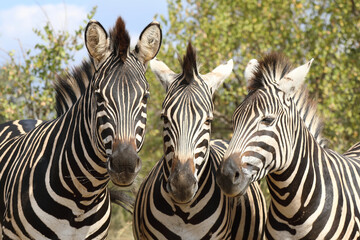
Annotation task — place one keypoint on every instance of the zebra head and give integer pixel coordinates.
(187, 114)
(120, 91)
(263, 124)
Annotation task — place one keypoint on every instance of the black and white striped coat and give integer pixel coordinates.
(180, 198)
(314, 190)
(53, 178)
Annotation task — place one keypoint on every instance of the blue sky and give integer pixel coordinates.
(19, 17)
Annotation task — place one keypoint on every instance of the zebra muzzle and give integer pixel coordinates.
(182, 184)
(231, 179)
(123, 164)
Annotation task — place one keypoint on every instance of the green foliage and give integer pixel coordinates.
(153, 145)
(26, 87)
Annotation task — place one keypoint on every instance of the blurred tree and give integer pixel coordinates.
(26, 89)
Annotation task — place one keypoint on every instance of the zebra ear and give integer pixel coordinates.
(97, 42)
(249, 72)
(149, 42)
(162, 72)
(292, 81)
(214, 78)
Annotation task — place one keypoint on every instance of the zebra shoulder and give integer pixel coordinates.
(16, 128)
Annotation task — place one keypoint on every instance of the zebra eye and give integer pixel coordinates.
(99, 97)
(164, 118)
(267, 120)
(208, 121)
(145, 98)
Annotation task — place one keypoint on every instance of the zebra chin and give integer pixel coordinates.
(122, 179)
(123, 164)
(231, 179)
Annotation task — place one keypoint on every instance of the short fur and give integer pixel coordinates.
(307, 108)
(73, 84)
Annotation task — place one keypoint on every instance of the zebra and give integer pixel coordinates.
(72, 85)
(179, 199)
(314, 190)
(53, 178)
(69, 88)
(354, 151)
(306, 108)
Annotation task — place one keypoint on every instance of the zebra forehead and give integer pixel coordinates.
(188, 86)
(256, 101)
(127, 72)
(268, 98)
(188, 96)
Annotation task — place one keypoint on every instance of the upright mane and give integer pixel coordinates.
(307, 109)
(273, 67)
(120, 38)
(71, 86)
(189, 64)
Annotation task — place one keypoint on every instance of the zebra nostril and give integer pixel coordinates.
(168, 187)
(138, 165)
(236, 176)
(138, 161)
(110, 163)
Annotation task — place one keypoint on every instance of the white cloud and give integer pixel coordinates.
(17, 23)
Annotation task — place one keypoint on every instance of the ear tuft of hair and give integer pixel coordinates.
(189, 63)
(120, 38)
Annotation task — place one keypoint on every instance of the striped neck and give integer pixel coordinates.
(83, 162)
(286, 186)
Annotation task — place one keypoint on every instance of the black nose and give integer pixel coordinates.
(124, 158)
(124, 164)
(182, 184)
(231, 179)
(230, 170)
